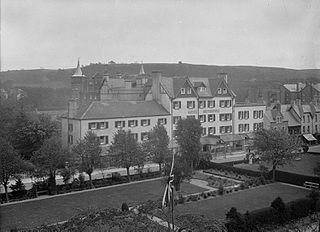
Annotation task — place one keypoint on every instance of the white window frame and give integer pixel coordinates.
(211, 130)
(224, 91)
(211, 117)
(122, 124)
(189, 91)
(202, 104)
(192, 104)
(219, 91)
(92, 123)
(177, 103)
(202, 118)
(135, 123)
(145, 122)
(162, 121)
(211, 103)
(183, 91)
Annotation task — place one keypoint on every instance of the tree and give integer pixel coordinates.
(10, 164)
(49, 159)
(125, 152)
(188, 135)
(29, 132)
(88, 151)
(157, 145)
(276, 147)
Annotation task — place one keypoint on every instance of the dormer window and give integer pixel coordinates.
(183, 91)
(189, 91)
(202, 89)
(219, 91)
(278, 119)
(225, 91)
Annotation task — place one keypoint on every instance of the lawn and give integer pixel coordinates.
(250, 199)
(305, 166)
(60, 208)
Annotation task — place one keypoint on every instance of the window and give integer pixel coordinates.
(304, 119)
(119, 124)
(183, 90)
(211, 117)
(190, 104)
(145, 122)
(224, 91)
(278, 119)
(176, 105)
(144, 136)
(225, 103)
(189, 91)
(70, 127)
(260, 113)
(315, 117)
(176, 119)
(102, 125)
(219, 91)
(211, 104)
(134, 136)
(240, 115)
(70, 139)
(202, 89)
(308, 129)
(211, 130)
(257, 126)
(162, 121)
(246, 114)
(204, 131)
(92, 125)
(104, 140)
(308, 118)
(245, 127)
(202, 104)
(225, 117)
(132, 123)
(202, 118)
(225, 129)
(303, 129)
(255, 114)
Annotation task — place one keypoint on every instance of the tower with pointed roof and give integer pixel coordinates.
(142, 70)
(78, 83)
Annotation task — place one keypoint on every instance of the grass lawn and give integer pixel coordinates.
(250, 199)
(51, 210)
(305, 166)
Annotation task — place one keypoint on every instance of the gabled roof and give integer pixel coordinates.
(198, 84)
(121, 109)
(294, 87)
(172, 85)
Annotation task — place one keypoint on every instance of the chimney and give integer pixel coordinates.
(155, 89)
(224, 76)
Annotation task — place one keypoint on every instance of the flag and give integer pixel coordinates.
(168, 190)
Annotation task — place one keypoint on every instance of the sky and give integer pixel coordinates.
(55, 33)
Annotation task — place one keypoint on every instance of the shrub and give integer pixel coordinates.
(116, 176)
(300, 208)
(124, 207)
(18, 189)
(75, 183)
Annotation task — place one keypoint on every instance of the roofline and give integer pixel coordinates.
(157, 115)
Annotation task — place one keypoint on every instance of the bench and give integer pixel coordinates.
(311, 185)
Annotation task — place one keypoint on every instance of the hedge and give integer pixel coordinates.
(211, 165)
(293, 178)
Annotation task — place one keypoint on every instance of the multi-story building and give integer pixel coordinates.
(305, 92)
(163, 100)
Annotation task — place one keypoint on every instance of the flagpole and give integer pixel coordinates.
(172, 203)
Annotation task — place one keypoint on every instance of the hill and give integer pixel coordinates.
(244, 80)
